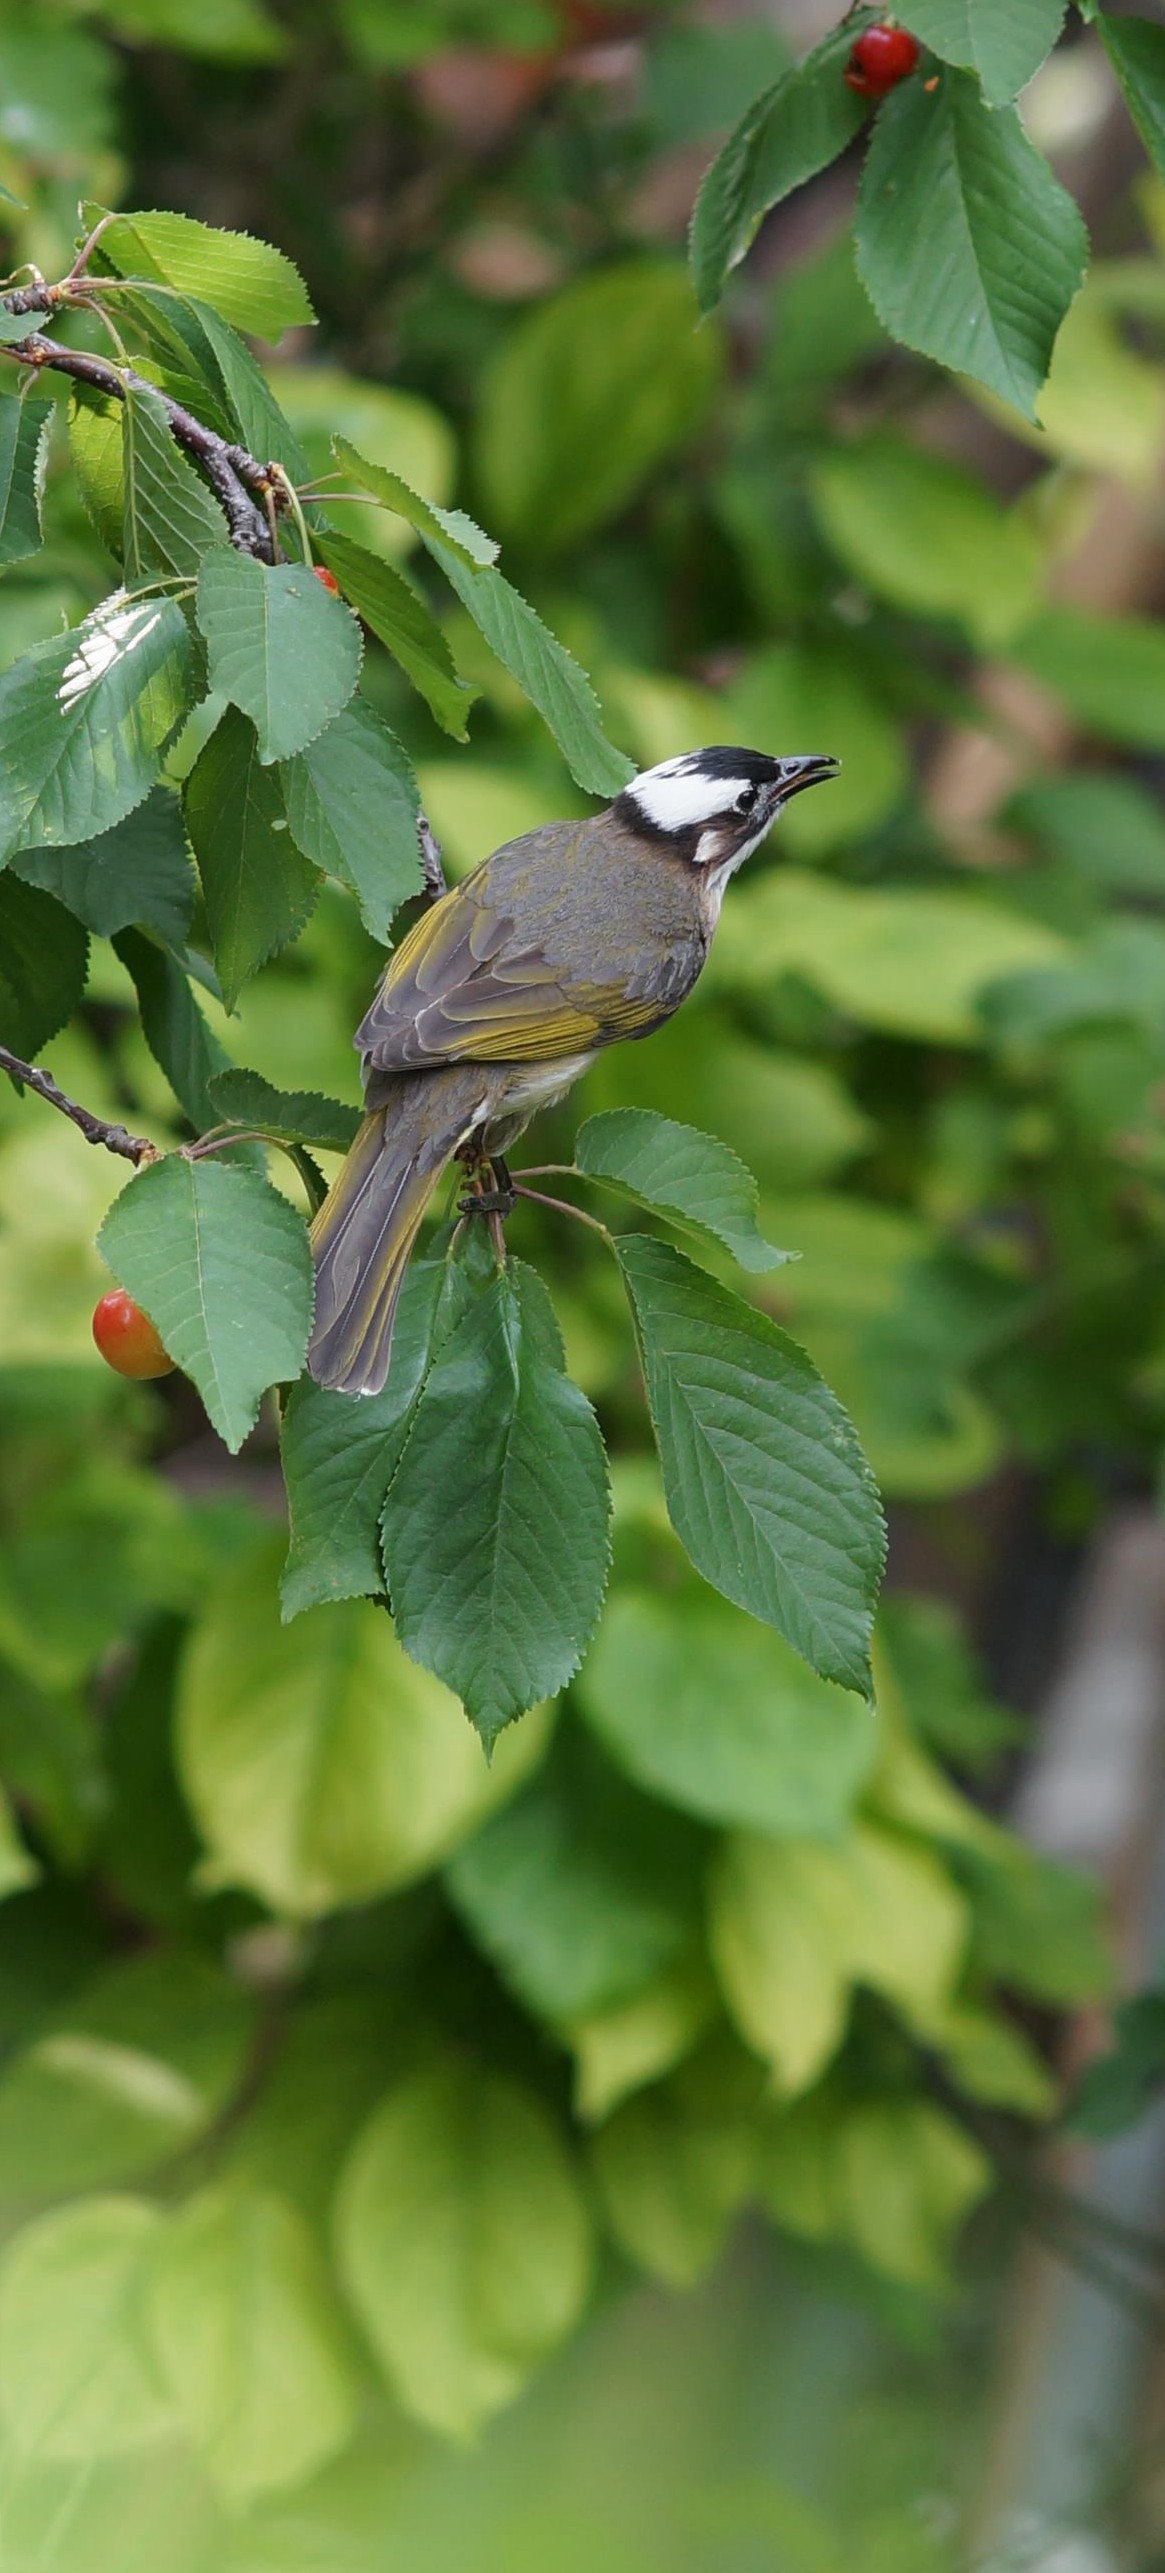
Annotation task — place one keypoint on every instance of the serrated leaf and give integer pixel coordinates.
(581, 1892)
(259, 889)
(183, 335)
(248, 2340)
(339, 1456)
(587, 394)
(295, 1116)
(463, 2241)
(44, 958)
(170, 519)
(85, 719)
(495, 1524)
(694, 1179)
(321, 1765)
(23, 449)
(77, 2379)
(279, 647)
(187, 1050)
(766, 1485)
(968, 247)
(139, 871)
(1136, 50)
(251, 284)
(785, 1751)
(793, 130)
(221, 1264)
(16, 326)
(96, 458)
(1003, 41)
(352, 803)
(402, 623)
(545, 671)
(450, 527)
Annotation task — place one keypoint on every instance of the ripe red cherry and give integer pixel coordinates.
(327, 578)
(881, 57)
(126, 1337)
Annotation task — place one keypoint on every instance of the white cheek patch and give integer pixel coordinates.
(677, 797)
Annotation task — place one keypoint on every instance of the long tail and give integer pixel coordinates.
(368, 1223)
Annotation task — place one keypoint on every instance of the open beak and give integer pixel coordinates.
(811, 769)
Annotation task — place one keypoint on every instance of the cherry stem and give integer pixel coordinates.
(96, 1130)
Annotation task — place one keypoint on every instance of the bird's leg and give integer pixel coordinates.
(432, 870)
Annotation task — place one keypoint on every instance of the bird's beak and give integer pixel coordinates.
(811, 769)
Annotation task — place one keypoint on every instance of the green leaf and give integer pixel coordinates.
(766, 1485)
(44, 957)
(923, 534)
(450, 527)
(906, 2177)
(1117, 2088)
(782, 1750)
(402, 623)
(95, 454)
(1003, 41)
(968, 248)
(279, 647)
(1109, 671)
(339, 1456)
(1106, 828)
(463, 2241)
(23, 454)
(545, 672)
(295, 1116)
(351, 802)
(793, 1925)
(671, 2178)
(174, 1028)
(221, 1264)
(248, 2340)
(321, 1765)
(170, 518)
(1136, 50)
(594, 387)
(678, 1172)
(85, 719)
(911, 961)
(819, 692)
(581, 1892)
(789, 133)
(227, 31)
(126, 2074)
(260, 890)
(18, 1867)
(77, 2379)
(495, 1525)
(618, 2050)
(139, 871)
(252, 285)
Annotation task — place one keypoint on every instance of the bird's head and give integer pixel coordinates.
(712, 808)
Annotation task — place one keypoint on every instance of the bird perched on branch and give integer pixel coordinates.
(503, 993)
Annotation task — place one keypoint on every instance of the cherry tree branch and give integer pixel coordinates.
(96, 1130)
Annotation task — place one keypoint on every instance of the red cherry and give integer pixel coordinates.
(127, 1339)
(881, 57)
(327, 578)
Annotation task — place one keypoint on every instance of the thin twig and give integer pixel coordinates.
(560, 1206)
(96, 1130)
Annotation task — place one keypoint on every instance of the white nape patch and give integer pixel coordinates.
(678, 795)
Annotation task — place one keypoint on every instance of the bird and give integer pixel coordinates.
(502, 993)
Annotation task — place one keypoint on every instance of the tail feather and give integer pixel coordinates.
(365, 1230)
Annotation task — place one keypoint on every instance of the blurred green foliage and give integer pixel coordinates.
(344, 2074)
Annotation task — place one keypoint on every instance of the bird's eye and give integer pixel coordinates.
(743, 803)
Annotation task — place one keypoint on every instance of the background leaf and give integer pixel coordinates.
(77, 2379)
(221, 1264)
(766, 1485)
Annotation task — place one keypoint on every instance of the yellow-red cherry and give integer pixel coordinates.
(327, 579)
(126, 1337)
(881, 57)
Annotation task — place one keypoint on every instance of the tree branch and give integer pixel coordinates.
(96, 1130)
(240, 483)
